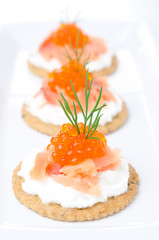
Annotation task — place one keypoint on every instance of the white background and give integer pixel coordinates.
(20, 11)
(44, 10)
(144, 120)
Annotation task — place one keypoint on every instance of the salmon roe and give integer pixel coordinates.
(68, 32)
(72, 148)
(72, 71)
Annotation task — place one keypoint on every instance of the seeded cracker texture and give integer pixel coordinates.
(43, 73)
(50, 129)
(57, 212)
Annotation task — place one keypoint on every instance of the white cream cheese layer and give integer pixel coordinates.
(112, 183)
(50, 113)
(104, 60)
(37, 60)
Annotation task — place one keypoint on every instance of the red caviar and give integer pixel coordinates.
(72, 71)
(72, 148)
(68, 32)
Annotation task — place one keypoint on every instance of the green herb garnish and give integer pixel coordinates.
(73, 118)
(75, 51)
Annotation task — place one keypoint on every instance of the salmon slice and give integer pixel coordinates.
(53, 169)
(47, 49)
(82, 177)
(41, 162)
(106, 94)
(52, 97)
(110, 161)
(86, 168)
(86, 185)
(93, 49)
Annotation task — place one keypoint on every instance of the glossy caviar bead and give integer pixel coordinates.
(65, 127)
(72, 149)
(61, 78)
(68, 33)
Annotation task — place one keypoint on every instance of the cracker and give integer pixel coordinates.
(43, 73)
(51, 129)
(108, 70)
(57, 212)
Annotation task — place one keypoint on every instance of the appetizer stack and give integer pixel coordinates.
(51, 54)
(77, 177)
(43, 111)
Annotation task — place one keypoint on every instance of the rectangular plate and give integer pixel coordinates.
(137, 81)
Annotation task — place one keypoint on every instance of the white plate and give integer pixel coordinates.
(137, 80)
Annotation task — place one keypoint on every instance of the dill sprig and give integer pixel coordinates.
(65, 16)
(88, 117)
(75, 51)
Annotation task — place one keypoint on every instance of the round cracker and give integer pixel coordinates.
(51, 129)
(108, 70)
(57, 212)
(43, 73)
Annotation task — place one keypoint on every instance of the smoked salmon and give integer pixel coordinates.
(92, 156)
(62, 84)
(66, 34)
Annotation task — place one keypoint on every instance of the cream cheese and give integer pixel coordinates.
(103, 61)
(53, 114)
(37, 60)
(112, 183)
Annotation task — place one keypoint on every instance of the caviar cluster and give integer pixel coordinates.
(72, 71)
(72, 148)
(68, 33)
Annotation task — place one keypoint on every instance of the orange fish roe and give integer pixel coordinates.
(72, 71)
(72, 148)
(68, 32)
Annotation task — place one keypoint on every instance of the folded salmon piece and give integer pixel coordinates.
(42, 160)
(52, 97)
(84, 169)
(93, 49)
(87, 185)
(110, 161)
(82, 177)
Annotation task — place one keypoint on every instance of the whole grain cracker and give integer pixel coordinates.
(57, 212)
(43, 73)
(51, 129)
